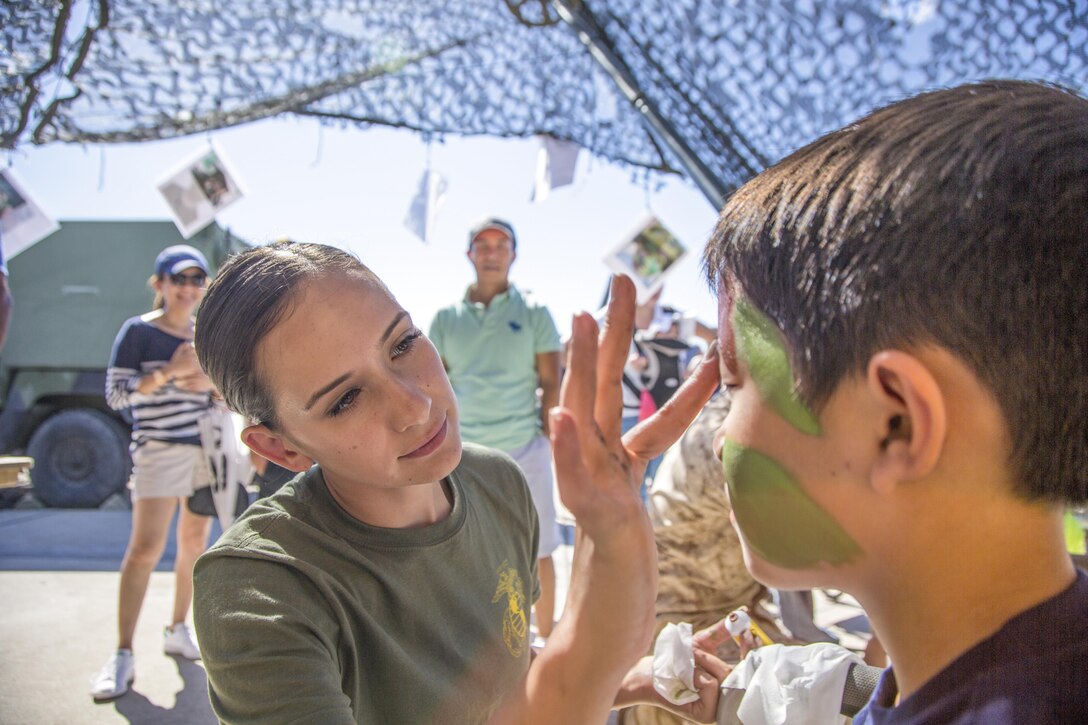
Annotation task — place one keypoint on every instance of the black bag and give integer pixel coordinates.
(201, 502)
(665, 369)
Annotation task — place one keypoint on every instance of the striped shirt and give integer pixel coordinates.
(167, 414)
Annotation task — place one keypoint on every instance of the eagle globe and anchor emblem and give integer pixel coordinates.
(515, 625)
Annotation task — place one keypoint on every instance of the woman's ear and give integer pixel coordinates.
(914, 420)
(271, 445)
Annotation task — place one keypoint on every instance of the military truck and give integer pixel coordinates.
(72, 291)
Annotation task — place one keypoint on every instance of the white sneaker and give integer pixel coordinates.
(115, 677)
(178, 640)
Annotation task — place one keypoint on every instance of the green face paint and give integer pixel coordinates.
(781, 524)
(761, 350)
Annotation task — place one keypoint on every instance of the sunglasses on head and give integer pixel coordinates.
(196, 280)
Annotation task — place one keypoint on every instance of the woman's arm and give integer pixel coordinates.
(609, 617)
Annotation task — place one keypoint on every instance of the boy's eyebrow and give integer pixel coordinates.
(326, 388)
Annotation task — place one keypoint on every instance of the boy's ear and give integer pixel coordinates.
(271, 445)
(914, 420)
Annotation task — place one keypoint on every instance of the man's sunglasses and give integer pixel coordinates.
(196, 280)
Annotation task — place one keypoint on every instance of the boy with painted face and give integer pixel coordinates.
(904, 331)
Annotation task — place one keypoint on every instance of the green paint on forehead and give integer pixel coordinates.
(761, 349)
(780, 522)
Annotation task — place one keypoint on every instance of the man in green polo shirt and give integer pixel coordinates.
(498, 347)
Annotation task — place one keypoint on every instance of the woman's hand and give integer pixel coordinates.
(196, 382)
(609, 616)
(638, 688)
(183, 363)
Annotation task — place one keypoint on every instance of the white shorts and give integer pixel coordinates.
(167, 470)
(535, 460)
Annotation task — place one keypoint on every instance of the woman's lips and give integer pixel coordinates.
(432, 443)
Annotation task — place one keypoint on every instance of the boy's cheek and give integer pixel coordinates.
(779, 521)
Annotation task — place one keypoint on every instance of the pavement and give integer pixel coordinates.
(58, 598)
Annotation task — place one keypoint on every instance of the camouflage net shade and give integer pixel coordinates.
(715, 89)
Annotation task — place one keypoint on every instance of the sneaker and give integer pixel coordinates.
(115, 678)
(178, 640)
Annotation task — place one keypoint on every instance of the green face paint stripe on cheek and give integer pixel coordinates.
(760, 347)
(780, 522)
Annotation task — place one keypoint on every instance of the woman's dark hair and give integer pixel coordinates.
(954, 218)
(252, 292)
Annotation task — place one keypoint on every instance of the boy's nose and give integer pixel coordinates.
(718, 443)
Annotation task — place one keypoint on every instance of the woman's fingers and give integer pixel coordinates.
(715, 667)
(747, 642)
(570, 470)
(651, 437)
(615, 347)
(578, 391)
(711, 638)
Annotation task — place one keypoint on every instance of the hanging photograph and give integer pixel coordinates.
(199, 190)
(22, 222)
(646, 255)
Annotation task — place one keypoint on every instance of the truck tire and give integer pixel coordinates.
(80, 458)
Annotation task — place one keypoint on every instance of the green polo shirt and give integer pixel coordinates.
(490, 355)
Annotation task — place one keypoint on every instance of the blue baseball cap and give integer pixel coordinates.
(178, 257)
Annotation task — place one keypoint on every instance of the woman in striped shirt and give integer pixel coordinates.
(154, 373)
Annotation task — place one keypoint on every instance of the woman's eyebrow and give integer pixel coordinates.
(393, 325)
(323, 390)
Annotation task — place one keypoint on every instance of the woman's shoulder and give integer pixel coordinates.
(266, 525)
(494, 475)
(137, 322)
(477, 458)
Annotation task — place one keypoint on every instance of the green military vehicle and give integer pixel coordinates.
(72, 291)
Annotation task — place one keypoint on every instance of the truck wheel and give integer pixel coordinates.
(80, 458)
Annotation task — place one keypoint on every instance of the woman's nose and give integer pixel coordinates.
(411, 404)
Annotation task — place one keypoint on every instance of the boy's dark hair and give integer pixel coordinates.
(957, 218)
(248, 297)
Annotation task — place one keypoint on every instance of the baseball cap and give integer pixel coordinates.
(178, 257)
(492, 223)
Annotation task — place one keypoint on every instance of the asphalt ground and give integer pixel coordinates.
(58, 604)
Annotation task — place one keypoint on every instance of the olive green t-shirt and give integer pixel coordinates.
(305, 614)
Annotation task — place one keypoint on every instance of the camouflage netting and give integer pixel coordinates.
(720, 87)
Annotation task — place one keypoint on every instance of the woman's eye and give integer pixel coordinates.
(345, 402)
(407, 342)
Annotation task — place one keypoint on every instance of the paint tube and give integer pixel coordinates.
(738, 620)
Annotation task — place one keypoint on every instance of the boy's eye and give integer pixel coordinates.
(727, 369)
(407, 342)
(345, 402)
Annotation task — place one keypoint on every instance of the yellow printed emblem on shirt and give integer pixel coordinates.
(515, 625)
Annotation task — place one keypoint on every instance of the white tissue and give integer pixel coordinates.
(674, 664)
(795, 685)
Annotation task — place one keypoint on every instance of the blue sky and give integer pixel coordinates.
(352, 188)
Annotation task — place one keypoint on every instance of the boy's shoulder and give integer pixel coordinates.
(1034, 669)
